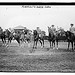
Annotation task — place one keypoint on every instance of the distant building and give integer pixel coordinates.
(19, 28)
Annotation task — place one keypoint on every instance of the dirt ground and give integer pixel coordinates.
(25, 59)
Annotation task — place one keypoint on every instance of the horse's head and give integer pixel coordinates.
(35, 32)
(69, 35)
(49, 30)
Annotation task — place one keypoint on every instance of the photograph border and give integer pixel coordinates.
(38, 3)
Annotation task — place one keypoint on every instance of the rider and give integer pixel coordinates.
(38, 31)
(1, 30)
(72, 28)
(53, 29)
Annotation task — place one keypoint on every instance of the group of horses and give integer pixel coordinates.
(7, 37)
(26, 37)
(54, 39)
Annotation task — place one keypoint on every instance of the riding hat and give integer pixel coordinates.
(52, 25)
(37, 27)
(71, 24)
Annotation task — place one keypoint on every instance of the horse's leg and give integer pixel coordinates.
(50, 43)
(10, 40)
(57, 43)
(68, 44)
(43, 42)
(29, 43)
(54, 44)
(2, 40)
(40, 42)
(24, 40)
(34, 44)
(18, 40)
(7, 42)
(72, 46)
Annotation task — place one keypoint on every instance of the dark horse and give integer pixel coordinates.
(9, 36)
(6, 37)
(37, 38)
(17, 37)
(22, 37)
(60, 37)
(70, 39)
(3, 37)
(51, 37)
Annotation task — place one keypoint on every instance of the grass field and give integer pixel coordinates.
(20, 59)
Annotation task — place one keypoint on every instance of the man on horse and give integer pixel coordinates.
(1, 30)
(38, 36)
(53, 29)
(52, 35)
(72, 29)
(71, 36)
(38, 31)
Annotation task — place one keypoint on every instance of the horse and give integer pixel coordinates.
(60, 37)
(9, 35)
(16, 37)
(38, 37)
(6, 37)
(51, 38)
(70, 39)
(3, 37)
(28, 37)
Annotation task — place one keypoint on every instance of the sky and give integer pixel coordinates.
(61, 16)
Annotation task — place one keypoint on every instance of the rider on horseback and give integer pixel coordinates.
(1, 30)
(53, 29)
(72, 29)
(38, 31)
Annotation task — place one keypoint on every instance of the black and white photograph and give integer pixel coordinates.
(37, 38)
